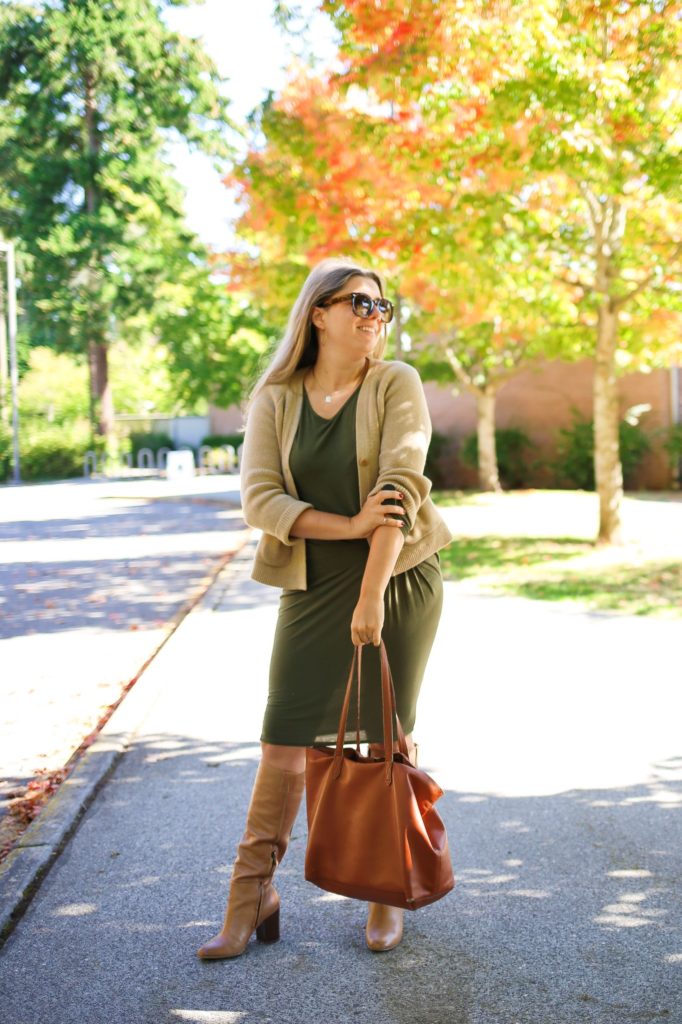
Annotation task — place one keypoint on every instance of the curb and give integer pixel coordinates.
(25, 867)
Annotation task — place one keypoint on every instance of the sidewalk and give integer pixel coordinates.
(556, 736)
(94, 576)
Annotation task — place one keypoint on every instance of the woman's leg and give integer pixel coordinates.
(253, 903)
(291, 759)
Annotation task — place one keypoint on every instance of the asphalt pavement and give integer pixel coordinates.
(94, 576)
(555, 735)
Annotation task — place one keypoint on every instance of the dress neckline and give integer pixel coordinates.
(328, 419)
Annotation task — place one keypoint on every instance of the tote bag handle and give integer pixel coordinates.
(389, 712)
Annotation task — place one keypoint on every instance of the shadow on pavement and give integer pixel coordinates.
(566, 910)
(116, 587)
(106, 593)
(151, 516)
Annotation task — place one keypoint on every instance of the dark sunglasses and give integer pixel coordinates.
(363, 305)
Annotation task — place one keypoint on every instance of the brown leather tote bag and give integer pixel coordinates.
(373, 830)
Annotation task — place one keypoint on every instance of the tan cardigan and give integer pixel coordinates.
(393, 431)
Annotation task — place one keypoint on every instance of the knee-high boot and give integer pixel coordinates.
(253, 903)
(384, 929)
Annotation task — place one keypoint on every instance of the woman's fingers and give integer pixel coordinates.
(385, 495)
(360, 639)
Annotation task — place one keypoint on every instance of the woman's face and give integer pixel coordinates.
(341, 331)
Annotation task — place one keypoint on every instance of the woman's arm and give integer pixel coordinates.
(405, 436)
(268, 507)
(368, 617)
(315, 525)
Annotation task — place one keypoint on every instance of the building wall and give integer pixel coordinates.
(225, 421)
(539, 401)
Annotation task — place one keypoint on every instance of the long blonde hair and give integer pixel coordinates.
(299, 346)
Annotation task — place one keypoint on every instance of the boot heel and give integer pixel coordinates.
(268, 930)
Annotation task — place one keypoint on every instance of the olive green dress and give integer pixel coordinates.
(312, 649)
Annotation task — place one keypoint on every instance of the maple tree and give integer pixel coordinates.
(571, 111)
(344, 172)
(512, 167)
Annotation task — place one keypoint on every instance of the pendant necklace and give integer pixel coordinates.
(328, 398)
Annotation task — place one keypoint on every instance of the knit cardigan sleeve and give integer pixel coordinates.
(266, 504)
(405, 436)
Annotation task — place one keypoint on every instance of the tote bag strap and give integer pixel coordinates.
(386, 668)
(389, 712)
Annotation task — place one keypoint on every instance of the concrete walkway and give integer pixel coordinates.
(556, 736)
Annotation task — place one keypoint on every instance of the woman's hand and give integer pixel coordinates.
(373, 514)
(367, 621)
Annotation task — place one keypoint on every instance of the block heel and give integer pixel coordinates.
(268, 930)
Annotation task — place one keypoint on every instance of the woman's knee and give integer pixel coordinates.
(290, 759)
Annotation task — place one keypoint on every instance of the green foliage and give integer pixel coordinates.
(54, 388)
(432, 469)
(574, 462)
(511, 445)
(140, 377)
(89, 93)
(216, 342)
(5, 451)
(50, 452)
(149, 439)
(218, 440)
(673, 444)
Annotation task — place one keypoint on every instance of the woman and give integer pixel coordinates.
(332, 473)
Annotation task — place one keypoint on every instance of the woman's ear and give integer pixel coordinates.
(318, 317)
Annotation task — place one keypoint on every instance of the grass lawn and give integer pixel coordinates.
(540, 544)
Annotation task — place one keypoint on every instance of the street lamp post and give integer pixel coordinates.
(8, 247)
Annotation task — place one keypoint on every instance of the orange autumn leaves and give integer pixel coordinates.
(445, 143)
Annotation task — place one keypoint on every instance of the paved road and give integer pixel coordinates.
(556, 737)
(92, 575)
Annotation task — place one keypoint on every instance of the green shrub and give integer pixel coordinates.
(218, 440)
(432, 470)
(510, 445)
(54, 389)
(141, 439)
(673, 444)
(5, 452)
(52, 452)
(574, 463)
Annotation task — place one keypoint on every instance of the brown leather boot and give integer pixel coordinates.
(253, 903)
(384, 927)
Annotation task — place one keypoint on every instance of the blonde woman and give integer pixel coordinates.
(333, 475)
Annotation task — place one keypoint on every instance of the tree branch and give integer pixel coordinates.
(585, 288)
(617, 303)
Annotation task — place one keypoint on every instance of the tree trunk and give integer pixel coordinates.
(608, 470)
(4, 375)
(488, 478)
(608, 218)
(101, 399)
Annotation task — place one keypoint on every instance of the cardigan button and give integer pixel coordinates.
(363, 462)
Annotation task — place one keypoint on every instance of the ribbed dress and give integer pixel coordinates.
(312, 648)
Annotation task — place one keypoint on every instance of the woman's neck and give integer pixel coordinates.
(333, 376)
